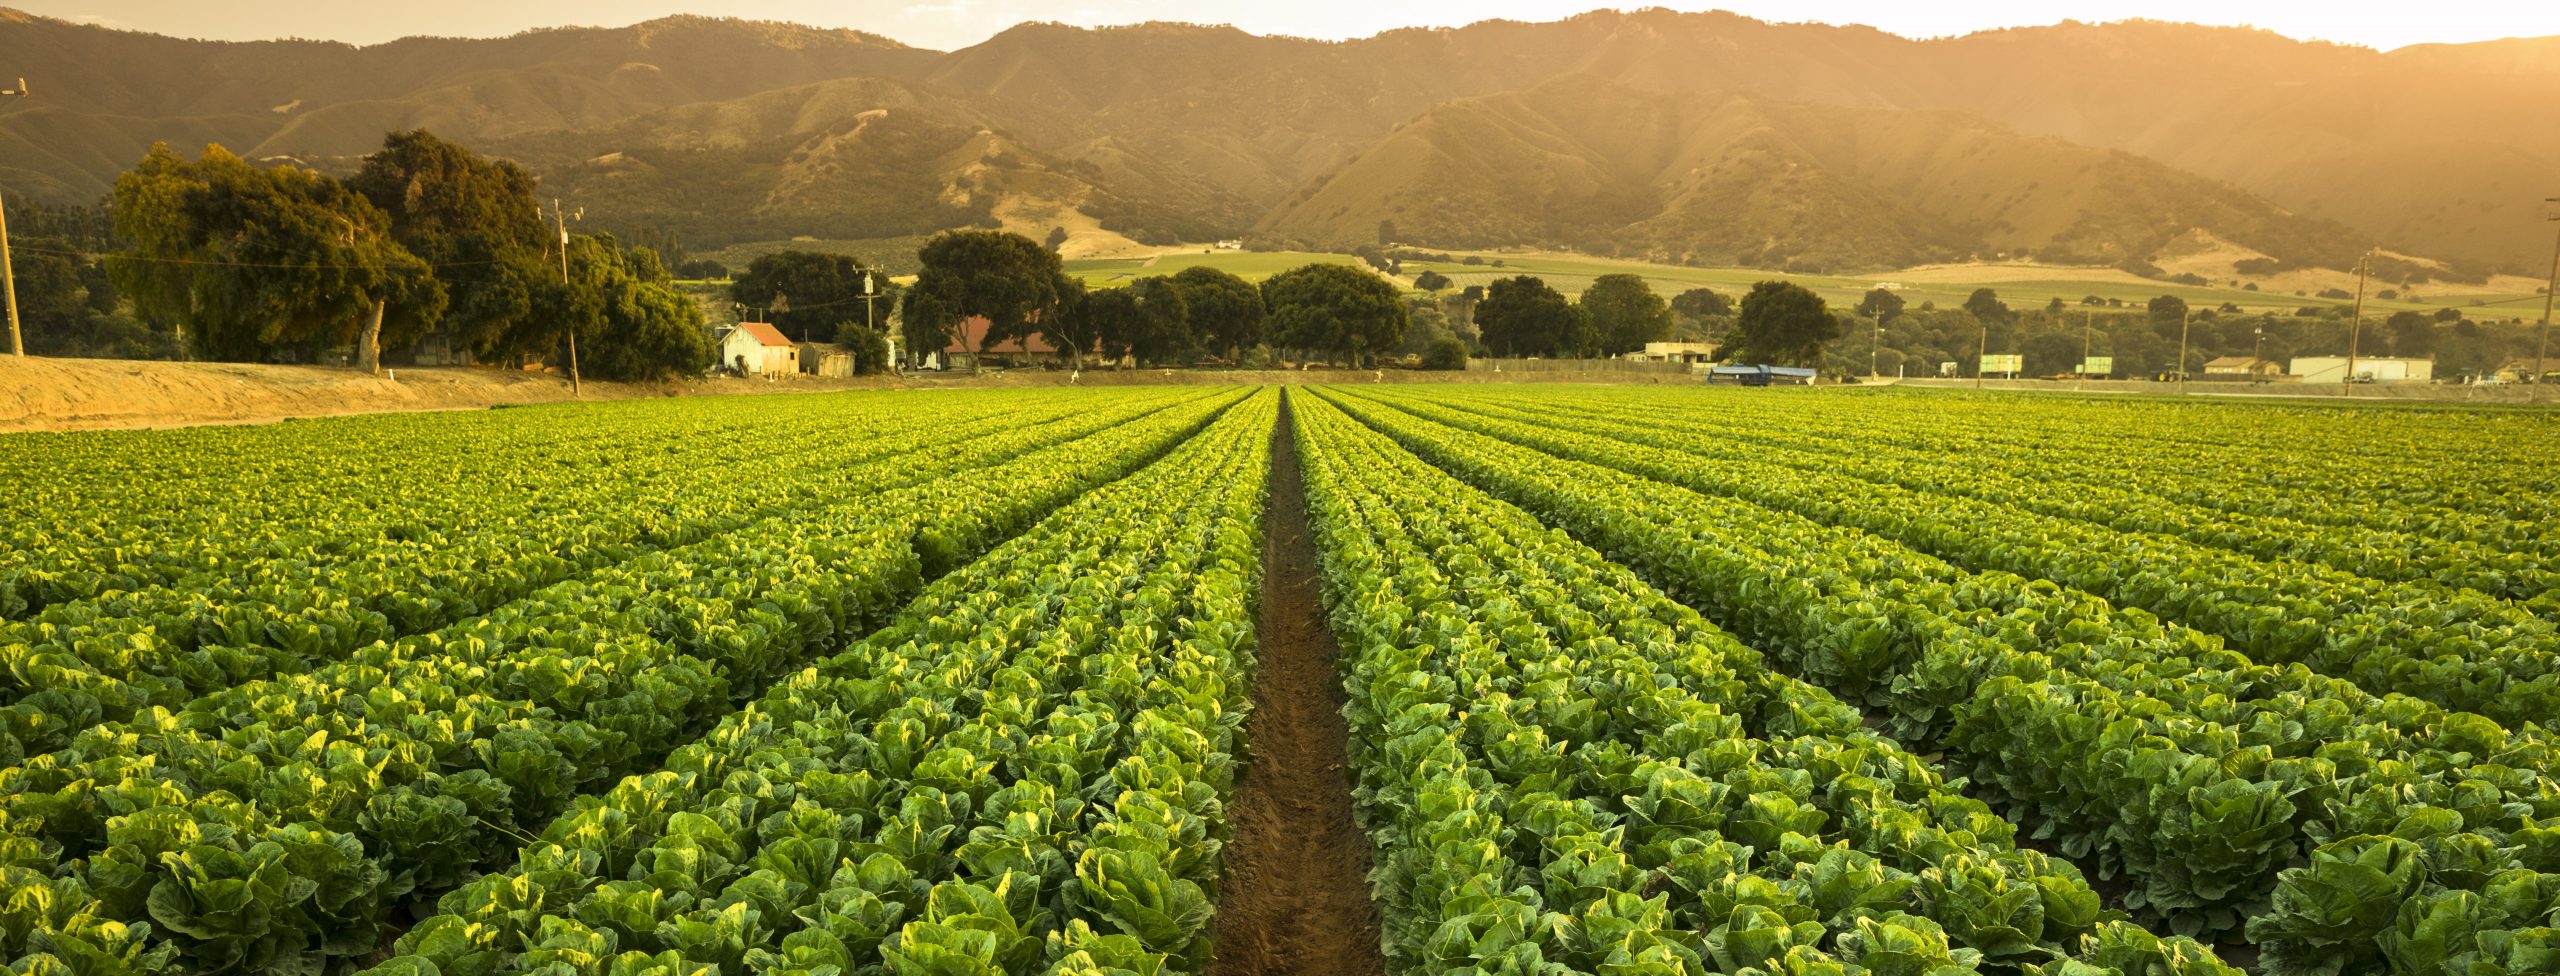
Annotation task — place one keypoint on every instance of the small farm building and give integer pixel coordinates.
(758, 347)
(2242, 367)
(2376, 369)
(1676, 352)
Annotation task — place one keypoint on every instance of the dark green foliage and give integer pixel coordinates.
(631, 321)
(2412, 333)
(810, 295)
(702, 269)
(1445, 354)
(476, 222)
(1334, 309)
(1431, 281)
(1985, 304)
(2168, 313)
(1145, 322)
(1625, 314)
(254, 261)
(1008, 279)
(1783, 324)
(67, 307)
(1884, 304)
(1225, 311)
(1522, 316)
(870, 349)
(1072, 327)
(1057, 236)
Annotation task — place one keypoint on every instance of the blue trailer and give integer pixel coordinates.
(1761, 375)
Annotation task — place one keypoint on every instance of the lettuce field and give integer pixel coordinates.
(1527, 680)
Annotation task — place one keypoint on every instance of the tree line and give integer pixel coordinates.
(244, 262)
(1776, 322)
(1021, 289)
(2143, 338)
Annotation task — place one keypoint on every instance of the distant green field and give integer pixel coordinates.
(1249, 265)
(1571, 274)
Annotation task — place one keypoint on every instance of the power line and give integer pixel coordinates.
(306, 265)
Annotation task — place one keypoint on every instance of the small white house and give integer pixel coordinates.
(757, 347)
(2373, 369)
(1676, 352)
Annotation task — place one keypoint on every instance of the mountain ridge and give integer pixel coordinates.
(1184, 131)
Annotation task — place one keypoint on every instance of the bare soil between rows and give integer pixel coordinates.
(1295, 897)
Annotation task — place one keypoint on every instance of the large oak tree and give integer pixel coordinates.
(1336, 309)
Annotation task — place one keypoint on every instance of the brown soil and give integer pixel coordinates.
(41, 394)
(1295, 899)
(38, 393)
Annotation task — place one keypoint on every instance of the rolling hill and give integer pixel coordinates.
(1726, 178)
(1699, 135)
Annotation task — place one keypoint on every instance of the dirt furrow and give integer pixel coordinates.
(1295, 898)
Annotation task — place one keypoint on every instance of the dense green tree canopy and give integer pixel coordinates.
(1431, 281)
(1701, 303)
(1009, 279)
(1880, 303)
(1625, 314)
(251, 260)
(1145, 322)
(1782, 324)
(1522, 316)
(811, 295)
(2168, 314)
(1985, 304)
(1334, 308)
(1225, 311)
(640, 326)
(476, 221)
(1072, 327)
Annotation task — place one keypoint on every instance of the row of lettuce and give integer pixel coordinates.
(2266, 480)
(2275, 501)
(103, 511)
(2454, 646)
(2338, 830)
(434, 554)
(1562, 770)
(274, 825)
(2452, 470)
(1024, 772)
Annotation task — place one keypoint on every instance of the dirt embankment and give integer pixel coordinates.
(90, 394)
(40, 394)
(1295, 898)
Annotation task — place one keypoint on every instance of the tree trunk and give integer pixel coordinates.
(369, 343)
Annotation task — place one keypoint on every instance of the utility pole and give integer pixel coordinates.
(2088, 322)
(2257, 352)
(2355, 329)
(560, 219)
(2549, 292)
(1879, 340)
(870, 315)
(1981, 352)
(9, 276)
(2186, 318)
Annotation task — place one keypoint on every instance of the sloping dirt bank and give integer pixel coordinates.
(90, 394)
(40, 394)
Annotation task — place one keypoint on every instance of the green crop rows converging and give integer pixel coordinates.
(1637, 680)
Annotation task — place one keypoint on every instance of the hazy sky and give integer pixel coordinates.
(957, 23)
